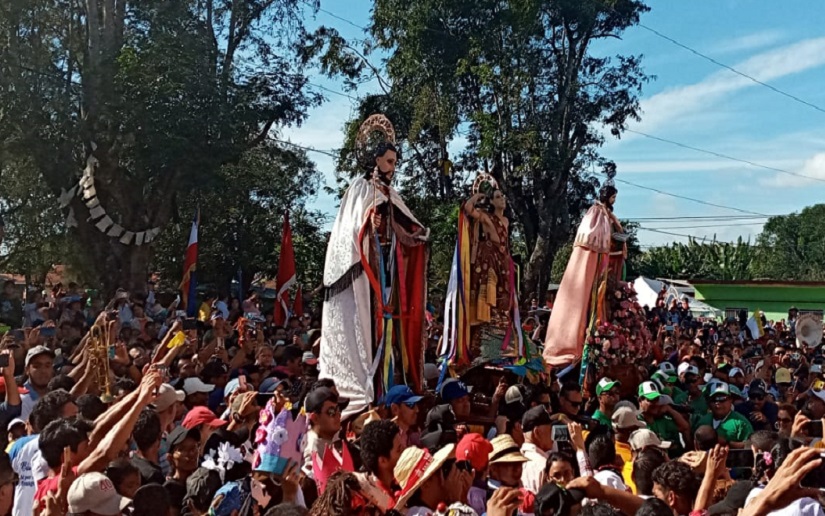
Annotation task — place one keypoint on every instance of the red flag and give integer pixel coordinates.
(286, 275)
(189, 283)
(298, 304)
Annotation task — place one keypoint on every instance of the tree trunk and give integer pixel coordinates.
(537, 272)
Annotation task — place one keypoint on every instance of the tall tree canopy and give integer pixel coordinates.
(520, 82)
(161, 94)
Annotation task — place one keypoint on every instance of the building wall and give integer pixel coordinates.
(773, 299)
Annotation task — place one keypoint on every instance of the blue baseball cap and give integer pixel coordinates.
(401, 394)
(453, 391)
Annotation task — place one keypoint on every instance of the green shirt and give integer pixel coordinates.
(735, 428)
(665, 428)
(602, 418)
(700, 408)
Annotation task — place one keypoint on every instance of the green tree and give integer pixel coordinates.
(792, 247)
(162, 94)
(242, 221)
(711, 260)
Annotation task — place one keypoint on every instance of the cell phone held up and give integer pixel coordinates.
(816, 478)
(814, 428)
(4, 360)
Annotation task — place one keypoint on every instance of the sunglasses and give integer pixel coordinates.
(574, 403)
(333, 411)
(718, 401)
(757, 397)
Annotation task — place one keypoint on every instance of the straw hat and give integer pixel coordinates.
(505, 449)
(415, 466)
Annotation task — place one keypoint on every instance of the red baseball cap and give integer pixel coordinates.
(202, 416)
(475, 449)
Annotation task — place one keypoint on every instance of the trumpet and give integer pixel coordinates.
(99, 350)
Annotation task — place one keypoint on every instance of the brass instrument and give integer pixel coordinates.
(99, 356)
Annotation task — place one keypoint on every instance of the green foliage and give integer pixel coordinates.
(792, 247)
(163, 94)
(699, 260)
(242, 221)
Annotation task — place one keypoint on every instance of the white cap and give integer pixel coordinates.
(193, 385)
(430, 371)
(644, 438)
(667, 367)
(626, 417)
(735, 371)
(816, 368)
(14, 422)
(513, 394)
(94, 492)
(664, 399)
(683, 367)
(167, 396)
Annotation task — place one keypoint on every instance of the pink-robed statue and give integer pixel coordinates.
(599, 252)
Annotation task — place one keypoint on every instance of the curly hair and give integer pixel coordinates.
(643, 467)
(337, 498)
(377, 441)
(48, 408)
(677, 477)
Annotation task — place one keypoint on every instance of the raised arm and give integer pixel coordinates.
(114, 442)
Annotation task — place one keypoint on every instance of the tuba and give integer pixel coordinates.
(99, 354)
(808, 331)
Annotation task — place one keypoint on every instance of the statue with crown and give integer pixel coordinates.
(373, 318)
(482, 324)
(596, 319)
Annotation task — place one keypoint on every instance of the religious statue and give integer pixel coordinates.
(481, 315)
(599, 252)
(374, 333)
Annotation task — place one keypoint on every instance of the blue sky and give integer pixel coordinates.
(691, 101)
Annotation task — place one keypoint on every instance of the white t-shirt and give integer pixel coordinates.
(801, 507)
(22, 460)
(610, 478)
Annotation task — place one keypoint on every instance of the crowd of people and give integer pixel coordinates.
(129, 407)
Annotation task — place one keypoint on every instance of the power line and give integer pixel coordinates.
(677, 196)
(696, 217)
(685, 235)
(713, 226)
(732, 69)
(329, 90)
(329, 153)
(725, 156)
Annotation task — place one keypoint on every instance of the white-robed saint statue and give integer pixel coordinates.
(373, 327)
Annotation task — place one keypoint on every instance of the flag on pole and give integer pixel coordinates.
(298, 303)
(286, 275)
(190, 282)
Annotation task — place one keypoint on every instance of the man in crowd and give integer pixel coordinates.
(324, 413)
(403, 403)
(733, 428)
(758, 409)
(608, 392)
(381, 447)
(538, 444)
(661, 418)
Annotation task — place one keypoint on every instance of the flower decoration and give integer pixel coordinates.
(260, 435)
(280, 436)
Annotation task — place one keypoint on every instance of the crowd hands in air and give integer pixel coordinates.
(155, 413)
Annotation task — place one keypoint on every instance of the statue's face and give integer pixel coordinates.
(386, 164)
(499, 200)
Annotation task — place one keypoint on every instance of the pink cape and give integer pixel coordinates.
(568, 321)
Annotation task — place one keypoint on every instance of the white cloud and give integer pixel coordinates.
(675, 103)
(748, 42)
(814, 167)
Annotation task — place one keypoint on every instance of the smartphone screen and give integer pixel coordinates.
(4, 360)
(190, 324)
(814, 429)
(816, 478)
(740, 459)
